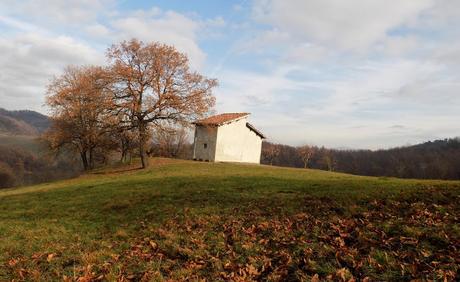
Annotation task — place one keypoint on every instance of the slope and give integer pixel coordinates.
(186, 220)
(23, 122)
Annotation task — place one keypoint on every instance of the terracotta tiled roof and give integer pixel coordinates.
(220, 119)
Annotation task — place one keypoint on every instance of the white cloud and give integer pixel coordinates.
(168, 27)
(356, 110)
(398, 46)
(442, 13)
(249, 91)
(72, 12)
(17, 24)
(262, 41)
(33, 49)
(351, 25)
(30, 60)
(97, 30)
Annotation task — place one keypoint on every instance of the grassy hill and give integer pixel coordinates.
(186, 220)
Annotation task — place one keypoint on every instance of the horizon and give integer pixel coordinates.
(356, 75)
(342, 148)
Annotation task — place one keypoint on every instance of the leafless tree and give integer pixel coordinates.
(306, 153)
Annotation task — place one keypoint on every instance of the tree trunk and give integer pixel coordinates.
(123, 153)
(91, 160)
(144, 159)
(84, 159)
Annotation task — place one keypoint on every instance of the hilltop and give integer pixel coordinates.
(23, 122)
(189, 220)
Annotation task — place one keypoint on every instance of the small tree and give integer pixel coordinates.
(152, 83)
(270, 152)
(126, 139)
(329, 160)
(79, 112)
(128, 142)
(170, 141)
(306, 153)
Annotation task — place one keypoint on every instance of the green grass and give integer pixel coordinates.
(188, 220)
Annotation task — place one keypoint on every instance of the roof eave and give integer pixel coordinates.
(255, 130)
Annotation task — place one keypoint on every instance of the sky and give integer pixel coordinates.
(344, 74)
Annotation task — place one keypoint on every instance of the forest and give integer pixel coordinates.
(438, 159)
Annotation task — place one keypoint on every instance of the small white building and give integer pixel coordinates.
(227, 138)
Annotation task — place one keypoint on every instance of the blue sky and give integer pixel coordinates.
(344, 74)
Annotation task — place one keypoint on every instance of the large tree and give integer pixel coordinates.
(152, 83)
(79, 111)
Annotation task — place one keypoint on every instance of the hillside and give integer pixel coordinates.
(26, 159)
(188, 220)
(439, 159)
(22, 122)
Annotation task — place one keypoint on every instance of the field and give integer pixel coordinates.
(183, 220)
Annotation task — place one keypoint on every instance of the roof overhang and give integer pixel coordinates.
(255, 130)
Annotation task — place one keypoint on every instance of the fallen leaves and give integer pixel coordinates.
(397, 239)
(50, 257)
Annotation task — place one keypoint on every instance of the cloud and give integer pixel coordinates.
(261, 41)
(33, 49)
(351, 25)
(168, 27)
(353, 69)
(97, 30)
(30, 60)
(50, 12)
(303, 104)
(250, 90)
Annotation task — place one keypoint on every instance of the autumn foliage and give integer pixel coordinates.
(79, 112)
(145, 86)
(153, 84)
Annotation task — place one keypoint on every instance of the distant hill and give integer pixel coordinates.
(23, 122)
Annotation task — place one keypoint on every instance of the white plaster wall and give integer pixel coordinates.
(237, 143)
(205, 135)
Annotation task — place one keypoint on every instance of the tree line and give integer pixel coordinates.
(97, 111)
(431, 160)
